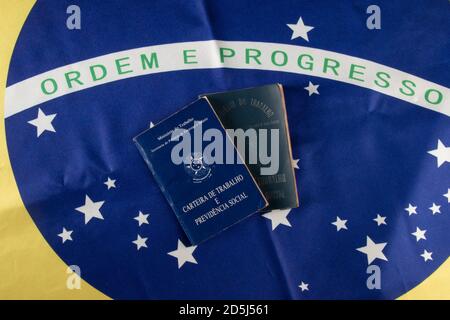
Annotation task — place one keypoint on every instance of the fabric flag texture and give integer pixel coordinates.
(368, 109)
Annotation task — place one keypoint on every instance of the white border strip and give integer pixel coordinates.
(28, 93)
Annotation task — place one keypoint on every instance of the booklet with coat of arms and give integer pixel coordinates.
(199, 171)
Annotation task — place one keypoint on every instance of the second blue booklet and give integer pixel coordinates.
(200, 172)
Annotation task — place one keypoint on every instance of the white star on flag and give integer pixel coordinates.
(91, 209)
(380, 220)
(66, 235)
(442, 153)
(419, 234)
(295, 164)
(304, 286)
(110, 183)
(140, 242)
(278, 217)
(43, 122)
(447, 195)
(426, 255)
(151, 124)
(300, 30)
(373, 250)
(183, 254)
(312, 88)
(141, 218)
(411, 209)
(340, 224)
(435, 209)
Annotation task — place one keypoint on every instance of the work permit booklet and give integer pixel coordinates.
(260, 113)
(207, 190)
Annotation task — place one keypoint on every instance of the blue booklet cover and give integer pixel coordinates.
(207, 193)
